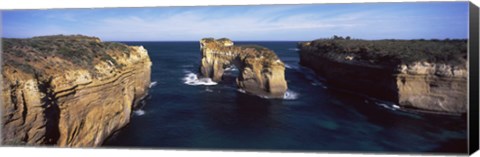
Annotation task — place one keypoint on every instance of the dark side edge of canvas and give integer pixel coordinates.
(473, 79)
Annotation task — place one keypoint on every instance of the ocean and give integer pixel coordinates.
(184, 112)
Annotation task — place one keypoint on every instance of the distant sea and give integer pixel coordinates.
(184, 112)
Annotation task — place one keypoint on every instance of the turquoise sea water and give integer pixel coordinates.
(183, 112)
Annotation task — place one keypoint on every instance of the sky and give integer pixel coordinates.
(426, 20)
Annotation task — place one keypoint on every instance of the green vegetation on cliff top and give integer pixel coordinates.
(256, 47)
(80, 51)
(250, 49)
(390, 51)
(259, 51)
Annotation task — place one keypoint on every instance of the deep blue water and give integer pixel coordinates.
(314, 118)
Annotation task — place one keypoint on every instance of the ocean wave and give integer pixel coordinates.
(317, 83)
(241, 91)
(288, 66)
(406, 111)
(153, 84)
(139, 112)
(385, 104)
(192, 79)
(290, 95)
(293, 66)
(294, 49)
(232, 68)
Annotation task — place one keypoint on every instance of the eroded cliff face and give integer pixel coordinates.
(438, 87)
(418, 85)
(261, 71)
(70, 91)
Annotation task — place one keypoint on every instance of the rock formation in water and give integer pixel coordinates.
(415, 74)
(261, 71)
(72, 91)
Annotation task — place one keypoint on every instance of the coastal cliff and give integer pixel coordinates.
(429, 75)
(261, 71)
(69, 91)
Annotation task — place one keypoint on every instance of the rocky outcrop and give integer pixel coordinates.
(438, 87)
(261, 71)
(70, 91)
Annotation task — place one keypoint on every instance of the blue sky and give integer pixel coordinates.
(269, 22)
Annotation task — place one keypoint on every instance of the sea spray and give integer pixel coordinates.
(241, 91)
(208, 90)
(385, 104)
(192, 79)
(139, 112)
(231, 68)
(290, 95)
(288, 66)
(294, 49)
(153, 84)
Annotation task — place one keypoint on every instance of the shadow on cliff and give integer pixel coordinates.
(51, 112)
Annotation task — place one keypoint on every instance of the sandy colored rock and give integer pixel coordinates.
(420, 85)
(261, 71)
(74, 97)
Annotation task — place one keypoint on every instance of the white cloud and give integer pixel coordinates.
(282, 22)
(194, 25)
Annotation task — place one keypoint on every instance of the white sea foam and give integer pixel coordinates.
(241, 90)
(208, 90)
(232, 68)
(383, 105)
(387, 105)
(192, 79)
(292, 66)
(139, 112)
(294, 49)
(288, 66)
(290, 95)
(153, 84)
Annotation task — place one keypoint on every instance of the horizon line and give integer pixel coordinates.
(467, 38)
(277, 40)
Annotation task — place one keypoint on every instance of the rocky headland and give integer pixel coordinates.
(425, 75)
(69, 91)
(261, 71)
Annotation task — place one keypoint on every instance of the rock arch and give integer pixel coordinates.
(261, 72)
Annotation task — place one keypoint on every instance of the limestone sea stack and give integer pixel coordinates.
(261, 71)
(426, 75)
(69, 91)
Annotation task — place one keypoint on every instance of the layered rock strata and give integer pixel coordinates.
(428, 86)
(69, 91)
(261, 71)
